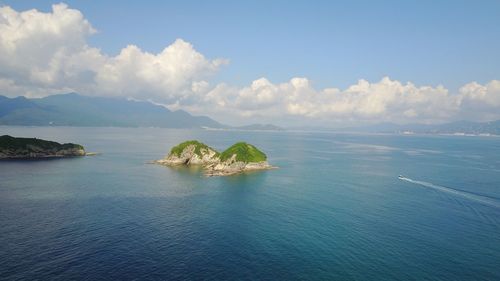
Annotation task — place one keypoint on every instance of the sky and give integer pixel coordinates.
(328, 63)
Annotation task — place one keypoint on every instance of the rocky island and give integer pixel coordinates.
(238, 158)
(33, 148)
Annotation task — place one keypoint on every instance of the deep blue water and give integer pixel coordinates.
(335, 210)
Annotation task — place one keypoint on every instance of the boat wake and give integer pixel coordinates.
(474, 197)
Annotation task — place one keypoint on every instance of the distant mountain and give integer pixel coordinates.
(467, 127)
(259, 127)
(78, 110)
(458, 127)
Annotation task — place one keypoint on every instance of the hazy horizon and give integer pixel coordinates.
(297, 64)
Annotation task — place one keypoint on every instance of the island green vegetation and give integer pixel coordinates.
(238, 158)
(9, 142)
(198, 147)
(12, 147)
(244, 152)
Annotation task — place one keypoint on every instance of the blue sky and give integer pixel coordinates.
(331, 42)
(325, 62)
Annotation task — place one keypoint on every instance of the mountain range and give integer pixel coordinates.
(78, 110)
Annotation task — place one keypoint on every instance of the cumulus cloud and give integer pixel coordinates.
(48, 53)
(386, 100)
(169, 75)
(480, 102)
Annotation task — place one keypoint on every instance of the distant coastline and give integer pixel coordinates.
(77, 110)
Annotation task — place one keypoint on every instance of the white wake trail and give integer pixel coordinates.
(478, 198)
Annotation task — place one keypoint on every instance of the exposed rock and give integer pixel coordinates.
(232, 166)
(190, 156)
(238, 158)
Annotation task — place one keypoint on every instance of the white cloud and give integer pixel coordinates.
(489, 94)
(480, 102)
(36, 48)
(48, 53)
(169, 75)
(42, 52)
(386, 100)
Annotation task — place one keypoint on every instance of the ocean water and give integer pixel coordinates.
(334, 210)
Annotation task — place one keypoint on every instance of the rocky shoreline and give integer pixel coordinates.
(213, 162)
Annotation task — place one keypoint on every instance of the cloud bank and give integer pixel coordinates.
(48, 53)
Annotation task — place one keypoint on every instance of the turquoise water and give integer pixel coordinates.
(335, 210)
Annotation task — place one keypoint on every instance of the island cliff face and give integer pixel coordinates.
(32, 148)
(238, 158)
(190, 153)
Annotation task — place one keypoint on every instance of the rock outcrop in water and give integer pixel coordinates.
(238, 158)
(190, 153)
(33, 148)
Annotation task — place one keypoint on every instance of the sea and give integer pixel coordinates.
(339, 207)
